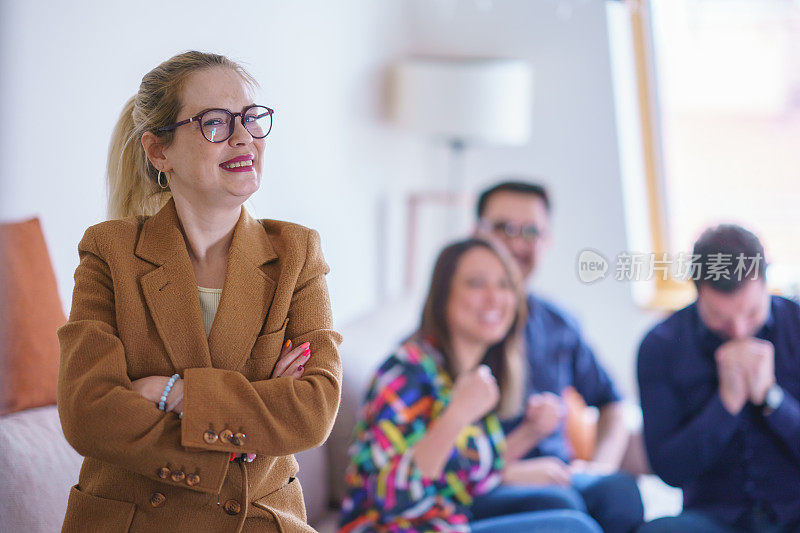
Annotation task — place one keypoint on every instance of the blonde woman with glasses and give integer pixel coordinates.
(199, 353)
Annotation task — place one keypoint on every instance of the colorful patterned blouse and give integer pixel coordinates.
(386, 491)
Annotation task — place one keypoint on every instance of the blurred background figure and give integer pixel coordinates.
(719, 388)
(517, 214)
(429, 439)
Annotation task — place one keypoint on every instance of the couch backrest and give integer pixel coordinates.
(314, 477)
(39, 467)
(367, 343)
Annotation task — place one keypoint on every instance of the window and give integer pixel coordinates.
(720, 99)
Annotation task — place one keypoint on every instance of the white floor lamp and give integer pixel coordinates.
(464, 101)
(461, 102)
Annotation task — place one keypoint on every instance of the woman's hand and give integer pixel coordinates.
(538, 471)
(152, 387)
(474, 394)
(291, 362)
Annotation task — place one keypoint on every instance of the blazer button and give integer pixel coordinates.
(210, 437)
(239, 439)
(164, 472)
(232, 507)
(226, 436)
(192, 479)
(177, 476)
(157, 499)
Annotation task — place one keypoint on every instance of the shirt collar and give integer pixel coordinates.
(701, 330)
(704, 333)
(769, 323)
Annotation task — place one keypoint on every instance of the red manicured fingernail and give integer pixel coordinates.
(307, 352)
(300, 367)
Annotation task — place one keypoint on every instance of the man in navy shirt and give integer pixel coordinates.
(517, 214)
(719, 384)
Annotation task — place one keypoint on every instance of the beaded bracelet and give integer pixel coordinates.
(162, 402)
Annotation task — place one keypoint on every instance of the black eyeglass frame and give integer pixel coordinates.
(528, 232)
(198, 118)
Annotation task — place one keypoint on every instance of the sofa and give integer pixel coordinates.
(39, 465)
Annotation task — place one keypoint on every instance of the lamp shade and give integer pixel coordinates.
(469, 100)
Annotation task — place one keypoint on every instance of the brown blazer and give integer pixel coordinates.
(136, 313)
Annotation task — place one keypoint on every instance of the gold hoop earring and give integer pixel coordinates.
(164, 184)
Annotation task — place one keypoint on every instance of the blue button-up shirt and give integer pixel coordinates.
(726, 464)
(559, 357)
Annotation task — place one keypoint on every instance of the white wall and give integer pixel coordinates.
(574, 148)
(68, 67)
(332, 162)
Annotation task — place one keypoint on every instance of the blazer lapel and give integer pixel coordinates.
(246, 295)
(170, 290)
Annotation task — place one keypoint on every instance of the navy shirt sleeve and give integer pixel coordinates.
(785, 422)
(589, 377)
(559, 357)
(680, 447)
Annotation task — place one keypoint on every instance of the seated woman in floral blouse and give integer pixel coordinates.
(429, 438)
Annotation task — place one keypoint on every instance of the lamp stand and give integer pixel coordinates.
(455, 177)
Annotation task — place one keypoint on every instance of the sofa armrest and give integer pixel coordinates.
(39, 467)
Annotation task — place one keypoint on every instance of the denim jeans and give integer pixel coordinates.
(612, 501)
(545, 521)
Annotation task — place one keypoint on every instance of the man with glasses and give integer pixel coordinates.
(517, 214)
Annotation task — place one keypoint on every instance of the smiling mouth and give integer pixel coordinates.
(238, 164)
(491, 317)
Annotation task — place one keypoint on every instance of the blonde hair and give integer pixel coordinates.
(132, 180)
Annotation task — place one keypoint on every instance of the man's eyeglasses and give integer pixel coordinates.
(217, 125)
(503, 228)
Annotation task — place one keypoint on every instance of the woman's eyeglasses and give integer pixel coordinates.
(217, 125)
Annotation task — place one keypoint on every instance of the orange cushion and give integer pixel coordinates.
(30, 313)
